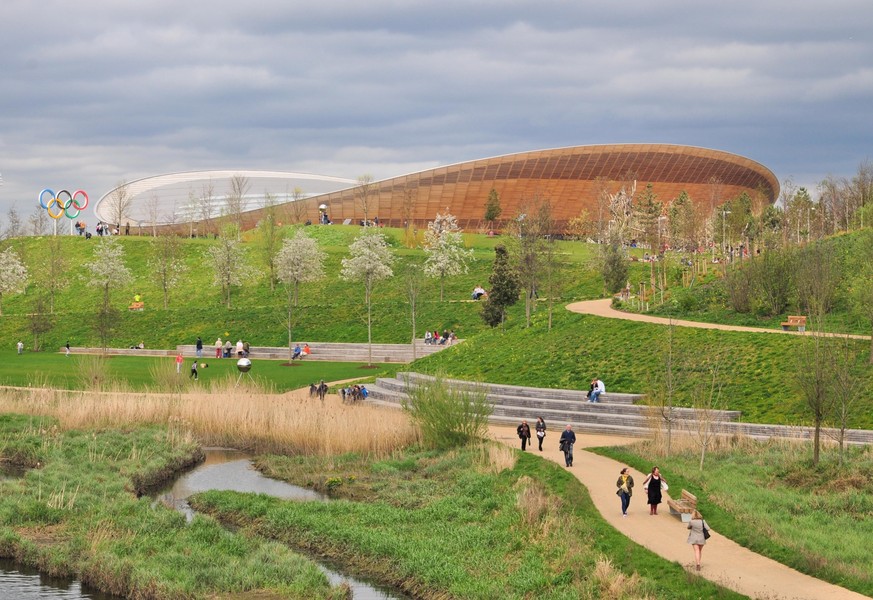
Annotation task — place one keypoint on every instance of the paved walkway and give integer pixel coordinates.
(724, 561)
(603, 308)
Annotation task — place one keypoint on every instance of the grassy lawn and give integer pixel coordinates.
(769, 498)
(755, 370)
(46, 369)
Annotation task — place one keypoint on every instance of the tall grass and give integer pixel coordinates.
(227, 415)
(447, 416)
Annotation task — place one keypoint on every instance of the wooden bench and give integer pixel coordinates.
(795, 321)
(684, 506)
(136, 306)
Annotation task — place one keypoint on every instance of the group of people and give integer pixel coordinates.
(440, 339)
(654, 483)
(353, 393)
(597, 388)
(301, 353)
(478, 293)
(226, 349)
(319, 390)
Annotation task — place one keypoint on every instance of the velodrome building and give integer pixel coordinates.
(570, 178)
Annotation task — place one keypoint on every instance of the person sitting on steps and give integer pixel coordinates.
(597, 388)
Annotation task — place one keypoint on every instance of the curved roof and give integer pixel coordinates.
(175, 197)
(572, 178)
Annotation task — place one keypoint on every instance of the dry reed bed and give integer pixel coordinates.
(238, 417)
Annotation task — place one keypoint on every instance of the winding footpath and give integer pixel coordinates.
(603, 308)
(724, 562)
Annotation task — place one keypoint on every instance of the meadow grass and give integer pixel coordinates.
(449, 524)
(225, 415)
(77, 513)
(769, 497)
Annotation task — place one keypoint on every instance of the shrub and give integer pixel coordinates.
(447, 416)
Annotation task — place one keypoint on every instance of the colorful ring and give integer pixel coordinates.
(83, 206)
(42, 193)
(66, 204)
(65, 201)
(60, 212)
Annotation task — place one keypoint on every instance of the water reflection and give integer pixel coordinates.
(231, 470)
(24, 583)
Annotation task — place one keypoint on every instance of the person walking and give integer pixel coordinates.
(654, 485)
(697, 536)
(199, 347)
(68, 347)
(541, 431)
(524, 434)
(625, 485)
(568, 438)
(218, 347)
(20, 347)
(179, 361)
(194, 370)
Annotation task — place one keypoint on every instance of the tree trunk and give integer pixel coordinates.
(816, 441)
(369, 326)
(290, 342)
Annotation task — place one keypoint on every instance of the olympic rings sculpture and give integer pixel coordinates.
(64, 201)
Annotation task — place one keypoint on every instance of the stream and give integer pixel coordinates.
(223, 469)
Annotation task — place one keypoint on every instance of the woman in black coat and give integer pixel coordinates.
(654, 484)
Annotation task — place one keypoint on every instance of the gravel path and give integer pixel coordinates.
(724, 561)
(603, 308)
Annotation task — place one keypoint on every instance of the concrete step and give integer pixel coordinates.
(553, 435)
(535, 399)
(334, 351)
(526, 392)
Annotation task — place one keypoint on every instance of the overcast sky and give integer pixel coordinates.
(95, 93)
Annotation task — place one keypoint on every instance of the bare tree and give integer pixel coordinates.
(408, 200)
(364, 196)
(707, 401)
(206, 205)
(235, 203)
(53, 277)
(846, 390)
(369, 261)
(661, 390)
(412, 283)
(269, 238)
(13, 273)
(38, 222)
(601, 190)
(153, 206)
(299, 261)
(815, 378)
(229, 262)
(13, 223)
(166, 263)
(297, 206)
(119, 203)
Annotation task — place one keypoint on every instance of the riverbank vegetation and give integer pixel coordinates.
(476, 522)
(769, 497)
(78, 511)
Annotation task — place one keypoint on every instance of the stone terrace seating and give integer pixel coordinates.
(616, 414)
(120, 351)
(335, 351)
